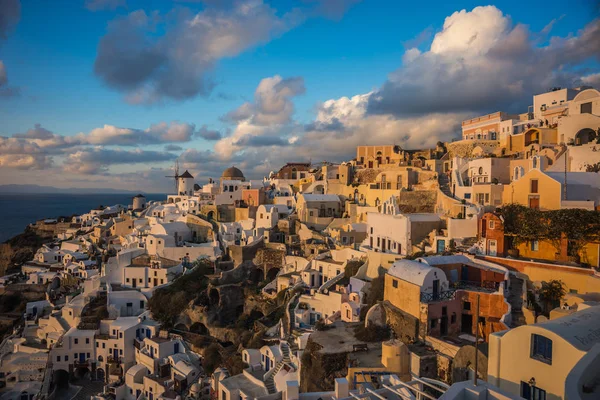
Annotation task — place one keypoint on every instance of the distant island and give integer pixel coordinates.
(37, 189)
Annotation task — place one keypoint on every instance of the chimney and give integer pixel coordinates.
(342, 388)
(292, 390)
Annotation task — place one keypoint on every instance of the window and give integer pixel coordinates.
(57, 358)
(66, 358)
(467, 306)
(453, 319)
(76, 341)
(534, 186)
(87, 340)
(433, 323)
(541, 348)
(535, 245)
(586, 108)
(492, 224)
(394, 283)
(127, 280)
(103, 345)
(530, 392)
(121, 335)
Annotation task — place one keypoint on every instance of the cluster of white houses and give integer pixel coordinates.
(419, 227)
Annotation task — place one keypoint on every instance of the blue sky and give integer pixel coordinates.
(50, 53)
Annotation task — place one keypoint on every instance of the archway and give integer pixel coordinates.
(585, 136)
(214, 296)
(170, 200)
(532, 136)
(272, 274)
(319, 189)
(210, 215)
(60, 379)
(199, 328)
(100, 359)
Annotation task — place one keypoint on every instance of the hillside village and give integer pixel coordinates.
(468, 270)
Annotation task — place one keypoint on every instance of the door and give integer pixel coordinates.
(116, 354)
(176, 348)
(436, 289)
(464, 273)
(81, 357)
(534, 202)
(444, 325)
(155, 282)
(466, 324)
(441, 245)
(148, 333)
(134, 280)
(493, 248)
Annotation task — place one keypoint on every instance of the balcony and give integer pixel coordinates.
(450, 294)
(445, 295)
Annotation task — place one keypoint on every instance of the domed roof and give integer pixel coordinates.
(232, 173)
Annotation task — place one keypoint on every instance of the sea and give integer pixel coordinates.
(19, 210)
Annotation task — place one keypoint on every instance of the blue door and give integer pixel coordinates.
(148, 333)
(116, 354)
(176, 349)
(441, 246)
(82, 357)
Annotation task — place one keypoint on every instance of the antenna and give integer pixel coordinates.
(176, 176)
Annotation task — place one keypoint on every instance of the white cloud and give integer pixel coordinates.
(481, 62)
(265, 121)
(151, 67)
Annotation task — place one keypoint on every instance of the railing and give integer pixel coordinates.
(487, 286)
(441, 296)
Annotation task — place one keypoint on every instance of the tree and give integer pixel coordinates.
(551, 293)
(212, 358)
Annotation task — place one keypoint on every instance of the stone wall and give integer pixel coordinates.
(422, 201)
(404, 325)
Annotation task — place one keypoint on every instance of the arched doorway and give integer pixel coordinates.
(272, 274)
(210, 215)
(585, 136)
(214, 296)
(60, 379)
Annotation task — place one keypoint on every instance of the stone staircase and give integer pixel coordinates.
(270, 380)
(515, 298)
(444, 183)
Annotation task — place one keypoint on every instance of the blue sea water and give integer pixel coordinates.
(19, 210)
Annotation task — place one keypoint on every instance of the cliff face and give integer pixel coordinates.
(20, 249)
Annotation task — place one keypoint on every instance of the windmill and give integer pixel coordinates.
(176, 176)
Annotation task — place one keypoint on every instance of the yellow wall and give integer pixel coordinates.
(549, 191)
(546, 251)
(509, 361)
(572, 280)
(406, 297)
